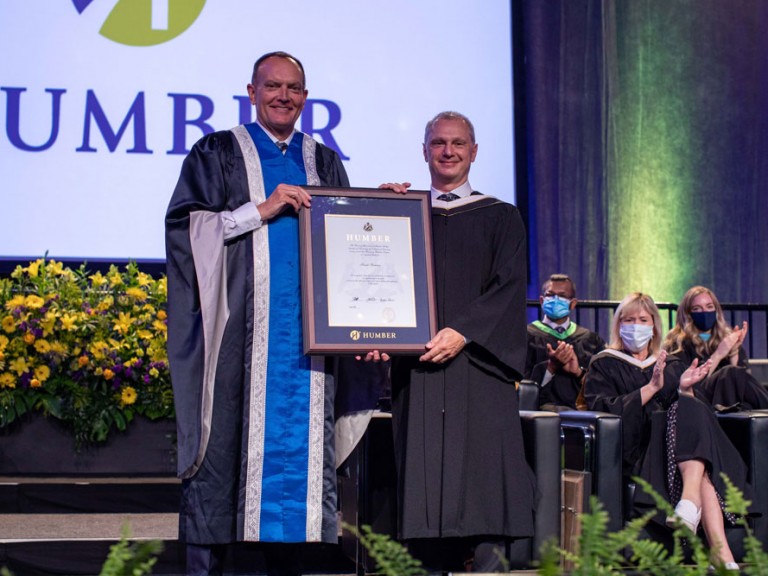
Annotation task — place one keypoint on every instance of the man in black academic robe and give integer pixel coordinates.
(463, 478)
(559, 350)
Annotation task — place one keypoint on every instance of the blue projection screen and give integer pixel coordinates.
(101, 100)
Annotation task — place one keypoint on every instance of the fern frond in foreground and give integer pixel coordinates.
(604, 553)
(392, 558)
(128, 558)
(755, 558)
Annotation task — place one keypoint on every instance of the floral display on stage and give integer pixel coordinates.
(86, 348)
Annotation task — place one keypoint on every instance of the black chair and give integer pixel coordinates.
(541, 438)
(748, 431)
(369, 496)
(528, 395)
(592, 446)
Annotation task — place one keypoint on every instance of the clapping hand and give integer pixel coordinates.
(729, 346)
(741, 332)
(656, 384)
(563, 357)
(657, 379)
(693, 375)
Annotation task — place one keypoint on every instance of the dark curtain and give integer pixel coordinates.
(646, 145)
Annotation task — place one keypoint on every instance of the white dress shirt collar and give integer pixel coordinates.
(462, 191)
(274, 138)
(547, 321)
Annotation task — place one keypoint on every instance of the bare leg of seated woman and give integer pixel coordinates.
(714, 524)
(698, 489)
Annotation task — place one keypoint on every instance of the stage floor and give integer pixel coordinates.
(66, 525)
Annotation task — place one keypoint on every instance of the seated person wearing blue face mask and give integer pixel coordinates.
(559, 351)
(701, 334)
(670, 435)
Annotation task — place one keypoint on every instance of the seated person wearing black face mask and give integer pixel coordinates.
(559, 351)
(701, 334)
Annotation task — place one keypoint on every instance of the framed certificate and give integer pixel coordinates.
(367, 279)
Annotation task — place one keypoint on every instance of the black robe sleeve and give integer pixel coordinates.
(329, 168)
(536, 350)
(495, 321)
(688, 353)
(205, 183)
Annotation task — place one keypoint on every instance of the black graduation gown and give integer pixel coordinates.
(458, 441)
(688, 353)
(562, 389)
(729, 387)
(613, 385)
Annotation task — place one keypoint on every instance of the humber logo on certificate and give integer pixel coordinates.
(381, 335)
(356, 335)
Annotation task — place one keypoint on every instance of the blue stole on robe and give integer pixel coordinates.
(286, 453)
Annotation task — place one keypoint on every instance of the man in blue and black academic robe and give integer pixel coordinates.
(255, 415)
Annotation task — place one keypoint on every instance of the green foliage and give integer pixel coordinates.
(650, 555)
(599, 552)
(755, 558)
(131, 558)
(549, 565)
(603, 553)
(392, 559)
(125, 558)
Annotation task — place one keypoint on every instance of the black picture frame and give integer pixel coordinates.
(343, 225)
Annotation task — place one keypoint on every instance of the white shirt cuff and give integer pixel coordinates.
(242, 220)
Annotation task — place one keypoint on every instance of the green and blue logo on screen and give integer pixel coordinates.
(146, 22)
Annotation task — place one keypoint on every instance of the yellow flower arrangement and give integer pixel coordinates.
(88, 349)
